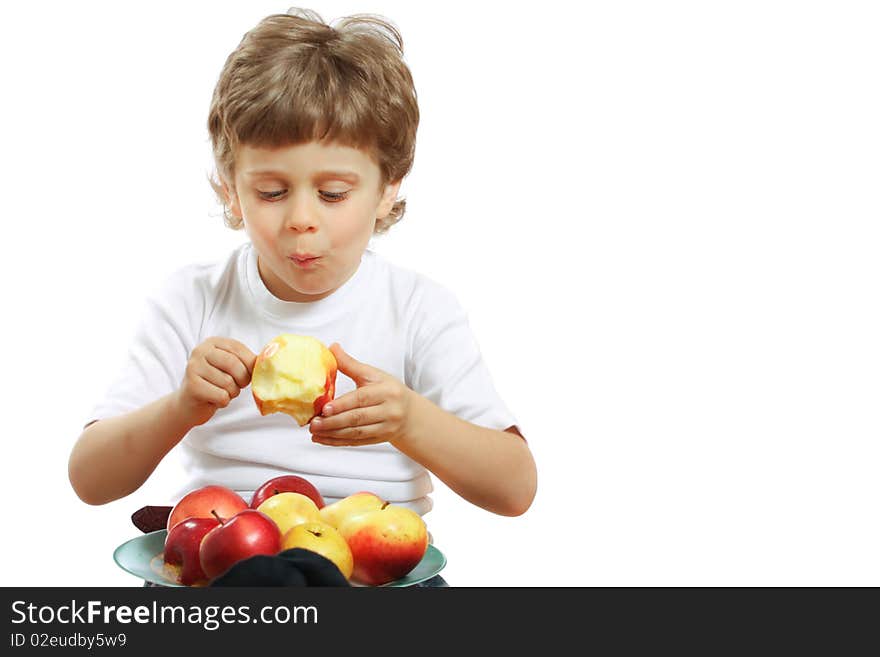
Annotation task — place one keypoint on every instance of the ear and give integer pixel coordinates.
(231, 199)
(389, 196)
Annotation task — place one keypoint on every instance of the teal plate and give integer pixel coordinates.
(142, 557)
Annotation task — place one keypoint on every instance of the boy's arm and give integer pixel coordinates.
(491, 468)
(115, 456)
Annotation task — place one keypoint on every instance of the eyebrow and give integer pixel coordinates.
(342, 174)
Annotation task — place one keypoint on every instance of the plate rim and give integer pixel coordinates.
(156, 578)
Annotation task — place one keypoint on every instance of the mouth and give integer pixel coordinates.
(304, 260)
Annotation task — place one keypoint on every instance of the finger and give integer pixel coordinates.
(330, 442)
(230, 364)
(352, 433)
(245, 355)
(358, 372)
(206, 391)
(356, 417)
(220, 379)
(369, 434)
(358, 398)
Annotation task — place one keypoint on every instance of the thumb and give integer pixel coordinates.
(353, 368)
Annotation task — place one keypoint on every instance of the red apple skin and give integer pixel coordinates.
(386, 544)
(182, 547)
(204, 502)
(329, 387)
(246, 534)
(286, 484)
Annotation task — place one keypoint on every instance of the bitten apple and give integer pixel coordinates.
(294, 374)
(290, 509)
(334, 514)
(244, 535)
(182, 548)
(386, 543)
(321, 538)
(286, 484)
(204, 502)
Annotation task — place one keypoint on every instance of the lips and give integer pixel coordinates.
(303, 259)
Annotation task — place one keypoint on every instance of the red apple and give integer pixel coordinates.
(294, 374)
(385, 543)
(244, 535)
(286, 484)
(204, 502)
(182, 547)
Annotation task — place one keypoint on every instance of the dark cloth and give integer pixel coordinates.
(294, 567)
(151, 518)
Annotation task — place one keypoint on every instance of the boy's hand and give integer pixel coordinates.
(216, 372)
(378, 411)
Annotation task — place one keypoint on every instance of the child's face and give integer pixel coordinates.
(309, 211)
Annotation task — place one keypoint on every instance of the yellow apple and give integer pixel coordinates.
(334, 514)
(386, 543)
(289, 510)
(321, 538)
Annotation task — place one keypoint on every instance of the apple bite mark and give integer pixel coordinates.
(294, 374)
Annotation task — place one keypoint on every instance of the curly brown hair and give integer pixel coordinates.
(294, 79)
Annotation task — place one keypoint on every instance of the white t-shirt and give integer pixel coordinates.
(385, 316)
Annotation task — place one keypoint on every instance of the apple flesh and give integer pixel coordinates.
(386, 543)
(296, 375)
(205, 502)
(182, 548)
(290, 509)
(286, 484)
(325, 540)
(246, 534)
(335, 514)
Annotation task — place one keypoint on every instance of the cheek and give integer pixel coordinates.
(257, 223)
(354, 229)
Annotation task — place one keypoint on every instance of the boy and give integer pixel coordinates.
(313, 129)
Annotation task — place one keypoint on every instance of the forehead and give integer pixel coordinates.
(306, 160)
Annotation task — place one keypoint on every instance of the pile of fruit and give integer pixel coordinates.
(370, 541)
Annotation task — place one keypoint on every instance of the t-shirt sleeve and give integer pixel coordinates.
(444, 362)
(165, 336)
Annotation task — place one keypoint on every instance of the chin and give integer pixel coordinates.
(301, 286)
(303, 292)
(288, 283)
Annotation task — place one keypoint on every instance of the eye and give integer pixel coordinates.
(330, 197)
(333, 197)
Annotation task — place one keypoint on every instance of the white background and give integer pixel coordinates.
(661, 217)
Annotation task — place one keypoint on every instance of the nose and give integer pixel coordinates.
(301, 215)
